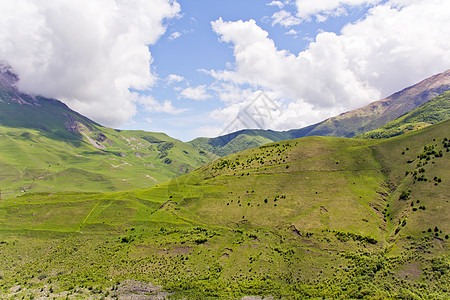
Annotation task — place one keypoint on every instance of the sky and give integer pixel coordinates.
(193, 68)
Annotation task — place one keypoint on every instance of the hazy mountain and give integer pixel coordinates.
(348, 124)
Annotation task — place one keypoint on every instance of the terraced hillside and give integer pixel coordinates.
(316, 217)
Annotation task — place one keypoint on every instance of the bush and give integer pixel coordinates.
(405, 195)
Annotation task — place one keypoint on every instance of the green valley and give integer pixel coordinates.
(47, 147)
(316, 217)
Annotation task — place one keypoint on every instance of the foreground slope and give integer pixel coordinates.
(349, 124)
(46, 146)
(308, 218)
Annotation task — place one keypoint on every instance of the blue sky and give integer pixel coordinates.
(190, 68)
(199, 48)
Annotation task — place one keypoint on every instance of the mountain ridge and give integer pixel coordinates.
(348, 124)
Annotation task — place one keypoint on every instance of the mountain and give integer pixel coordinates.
(238, 141)
(431, 112)
(381, 112)
(316, 217)
(46, 146)
(348, 124)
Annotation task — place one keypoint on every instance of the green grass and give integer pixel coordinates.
(47, 147)
(33, 162)
(315, 217)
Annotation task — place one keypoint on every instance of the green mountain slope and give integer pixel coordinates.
(431, 112)
(317, 217)
(348, 124)
(45, 146)
(238, 141)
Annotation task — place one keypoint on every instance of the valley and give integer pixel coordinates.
(307, 218)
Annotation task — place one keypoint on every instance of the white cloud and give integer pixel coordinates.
(195, 93)
(396, 45)
(86, 53)
(285, 18)
(174, 35)
(153, 105)
(276, 3)
(292, 32)
(324, 8)
(173, 78)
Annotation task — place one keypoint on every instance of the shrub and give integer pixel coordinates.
(405, 195)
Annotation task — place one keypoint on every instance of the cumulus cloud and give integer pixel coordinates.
(397, 44)
(86, 53)
(325, 8)
(195, 93)
(292, 32)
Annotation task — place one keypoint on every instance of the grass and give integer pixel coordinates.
(47, 147)
(308, 218)
(32, 162)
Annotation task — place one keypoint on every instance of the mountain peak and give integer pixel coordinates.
(9, 92)
(7, 75)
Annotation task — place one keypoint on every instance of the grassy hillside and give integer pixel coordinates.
(238, 141)
(109, 161)
(431, 112)
(316, 217)
(47, 147)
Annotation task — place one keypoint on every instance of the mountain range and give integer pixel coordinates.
(90, 212)
(349, 124)
(46, 146)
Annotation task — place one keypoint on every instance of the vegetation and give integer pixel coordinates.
(332, 225)
(50, 148)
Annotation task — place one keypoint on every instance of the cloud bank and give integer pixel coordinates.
(397, 44)
(86, 53)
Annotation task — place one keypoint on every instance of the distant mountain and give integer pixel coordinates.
(381, 112)
(46, 146)
(431, 112)
(348, 124)
(239, 140)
